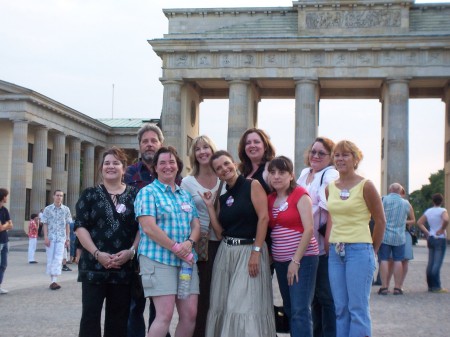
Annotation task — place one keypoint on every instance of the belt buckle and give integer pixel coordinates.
(235, 241)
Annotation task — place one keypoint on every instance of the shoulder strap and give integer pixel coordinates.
(321, 178)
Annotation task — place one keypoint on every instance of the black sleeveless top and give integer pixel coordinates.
(237, 214)
(258, 175)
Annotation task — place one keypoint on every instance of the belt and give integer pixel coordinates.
(229, 241)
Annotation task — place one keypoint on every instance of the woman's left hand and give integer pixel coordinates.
(292, 274)
(253, 264)
(121, 258)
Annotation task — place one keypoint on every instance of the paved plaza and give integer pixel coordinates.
(31, 309)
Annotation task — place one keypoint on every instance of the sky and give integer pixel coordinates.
(76, 52)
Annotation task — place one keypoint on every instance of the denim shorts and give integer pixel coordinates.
(386, 252)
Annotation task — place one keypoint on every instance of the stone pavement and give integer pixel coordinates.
(31, 309)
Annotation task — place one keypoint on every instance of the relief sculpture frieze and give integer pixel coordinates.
(353, 19)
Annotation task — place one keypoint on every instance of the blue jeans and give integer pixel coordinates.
(323, 312)
(298, 297)
(436, 254)
(351, 282)
(4, 249)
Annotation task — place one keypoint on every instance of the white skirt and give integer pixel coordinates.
(240, 305)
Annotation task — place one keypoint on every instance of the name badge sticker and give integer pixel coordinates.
(229, 201)
(121, 208)
(186, 207)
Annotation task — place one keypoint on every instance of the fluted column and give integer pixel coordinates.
(73, 181)
(58, 153)
(18, 174)
(88, 165)
(237, 114)
(171, 113)
(38, 191)
(395, 133)
(306, 117)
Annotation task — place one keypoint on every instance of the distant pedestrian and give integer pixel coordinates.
(437, 218)
(33, 226)
(56, 220)
(5, 225)
(397, 210)
(40, 215)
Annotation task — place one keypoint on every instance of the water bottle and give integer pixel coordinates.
(184, 280)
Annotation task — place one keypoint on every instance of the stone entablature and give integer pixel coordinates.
(309, 58)
(310, 18)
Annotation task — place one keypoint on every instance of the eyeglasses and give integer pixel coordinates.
(320, 154)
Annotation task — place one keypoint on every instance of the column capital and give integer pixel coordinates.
(177, 80)
(306, 80)
(236, 80)
(19, 120)
(390, 80)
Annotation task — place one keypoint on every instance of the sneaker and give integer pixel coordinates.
(65, 268)
(54, 286)
(3, 291)
(69, 262)
(440, 291)
(33, 262)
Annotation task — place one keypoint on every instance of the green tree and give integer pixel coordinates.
(421, 199)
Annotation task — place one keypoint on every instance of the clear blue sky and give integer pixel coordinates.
(74, 51)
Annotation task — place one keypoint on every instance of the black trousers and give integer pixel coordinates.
(117, 307)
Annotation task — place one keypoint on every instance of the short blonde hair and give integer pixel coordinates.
(350, 147)
(195, 167)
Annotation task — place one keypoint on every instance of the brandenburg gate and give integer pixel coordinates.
(389, 50)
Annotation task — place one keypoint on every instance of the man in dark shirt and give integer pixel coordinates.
(140, 174)
(5, 225)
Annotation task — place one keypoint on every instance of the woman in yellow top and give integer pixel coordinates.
(351, 201)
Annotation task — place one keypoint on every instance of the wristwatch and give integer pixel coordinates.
(191, 241)
(256, 249)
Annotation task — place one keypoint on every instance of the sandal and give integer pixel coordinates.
(383, 291)
(398, 291)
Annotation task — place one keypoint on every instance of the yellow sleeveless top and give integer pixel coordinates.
(350, 217)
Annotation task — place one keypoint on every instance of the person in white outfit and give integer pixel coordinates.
(56, 219)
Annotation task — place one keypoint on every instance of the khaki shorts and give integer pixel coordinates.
(160, 279)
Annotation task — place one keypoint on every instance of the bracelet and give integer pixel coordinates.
(191, 241)
(296, 262)
(95, 254)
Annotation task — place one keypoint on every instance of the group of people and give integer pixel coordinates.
(233, 223)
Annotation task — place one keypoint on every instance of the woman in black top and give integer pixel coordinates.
(107, 230)
(241, 288)
(255, 152)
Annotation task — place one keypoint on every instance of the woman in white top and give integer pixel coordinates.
(203, 180)
(319, 173)
(437, 218)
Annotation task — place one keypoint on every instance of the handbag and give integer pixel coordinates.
(281, 320)
(201, 246)
(322, 226)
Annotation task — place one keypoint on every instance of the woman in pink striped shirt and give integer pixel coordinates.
(294, 248)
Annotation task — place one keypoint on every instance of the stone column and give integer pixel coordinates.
(18, 174)
(88, 165)
(97, 176)
(171, 113)
(306, 117)
(237, 114)
(38, 191)
(395, 133)
(73, 183)
(447, 147)
(58, 156)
